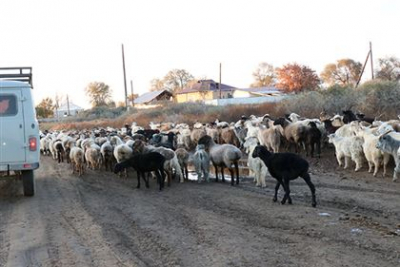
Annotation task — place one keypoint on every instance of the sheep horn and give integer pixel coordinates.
(385, 133)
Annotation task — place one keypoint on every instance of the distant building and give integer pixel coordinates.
(205, 90)
(68, 109)
(250, 96)
(256, 92)
(152, 99)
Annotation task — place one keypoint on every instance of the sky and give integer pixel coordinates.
(72, 43)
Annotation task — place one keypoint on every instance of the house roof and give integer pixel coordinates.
(261, 90)
(72, 106)
(150, 96)
(211, 85)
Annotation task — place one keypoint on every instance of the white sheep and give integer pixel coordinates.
(76, 156)
(348, 147)
(373, 155)
(256, 165)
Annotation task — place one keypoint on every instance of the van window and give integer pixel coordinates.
(8, 105)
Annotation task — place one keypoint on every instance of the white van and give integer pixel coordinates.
(19, 128)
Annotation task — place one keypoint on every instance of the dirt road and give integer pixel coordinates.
(102, 220)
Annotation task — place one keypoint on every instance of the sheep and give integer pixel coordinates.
(197, 133)
(184, 139)
(228, 136)
(106, 151)
(313, 139)
(222, 156)
(348, 147)
(271, 137)
(201, 161)
(389, 142)
(183, 158)
(93, 157)
(59, 150)
(293, 132)
(285, 167)
(171, 162)
(255, 164)
(142, 163)
(122, 152)
(373, 155)
(76, 156)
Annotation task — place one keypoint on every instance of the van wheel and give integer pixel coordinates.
(28, 184)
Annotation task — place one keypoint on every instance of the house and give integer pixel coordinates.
(246, 96)
(68, 109)
(152, 99)
(205, 90)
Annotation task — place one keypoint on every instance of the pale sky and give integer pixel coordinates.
(72, 43)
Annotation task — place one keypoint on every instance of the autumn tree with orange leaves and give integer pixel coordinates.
(296, 78)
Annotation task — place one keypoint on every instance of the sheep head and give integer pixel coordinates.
(206, 140)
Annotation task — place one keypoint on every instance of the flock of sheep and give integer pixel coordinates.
(223, 144)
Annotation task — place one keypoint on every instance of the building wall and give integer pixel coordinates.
(238, 94)
(196, 96)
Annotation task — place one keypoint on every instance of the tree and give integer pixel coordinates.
(132, 97)
(99, 93)
(296, 78)
(176, 80)
(344, 72)
(389, 69)
(264, 75)
(45, 108)
(156, 85)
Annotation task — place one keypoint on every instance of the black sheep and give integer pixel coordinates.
(143, 163)
(313, 139)
(285, 167)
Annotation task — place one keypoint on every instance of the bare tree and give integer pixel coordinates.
(389, 69)
(99, 93)
(264, 75)
(176, 80)
(344, 72)
(156, 84)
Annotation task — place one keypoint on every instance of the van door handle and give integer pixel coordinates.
(20, 126)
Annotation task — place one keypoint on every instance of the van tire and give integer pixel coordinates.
(28, 184)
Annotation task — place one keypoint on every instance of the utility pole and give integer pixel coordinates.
(133, 100)
(220, 93)
(123, 66)
(372, 62)
(69, 113)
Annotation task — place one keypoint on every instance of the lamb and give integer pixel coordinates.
(255, 164)
(285, 167)
(201, 161)
(76, 156)
(223, 156)
(348, 147)
(142, 163)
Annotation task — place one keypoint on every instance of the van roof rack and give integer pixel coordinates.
(21, 74)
